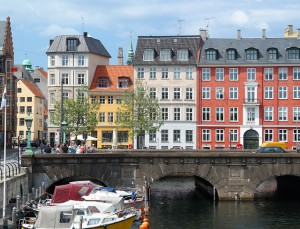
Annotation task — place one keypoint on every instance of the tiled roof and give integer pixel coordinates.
(33, 89)
(43, 73)
(222, 44)
(113, 72)
(86, 45)
(167, 42)
(45, 110)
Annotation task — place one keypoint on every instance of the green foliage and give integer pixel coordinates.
(79, 113)
(139, 112)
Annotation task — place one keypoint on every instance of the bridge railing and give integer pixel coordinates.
(12, 169)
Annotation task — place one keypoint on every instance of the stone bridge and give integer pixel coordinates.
(228, 175)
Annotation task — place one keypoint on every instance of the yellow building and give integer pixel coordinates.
(290, 33)
(30, 101)
(108, 85)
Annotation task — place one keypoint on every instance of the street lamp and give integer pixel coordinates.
(230, 138)
(64, 126)
(28, 121)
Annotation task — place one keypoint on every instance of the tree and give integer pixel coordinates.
(139, 111)
(79, 113)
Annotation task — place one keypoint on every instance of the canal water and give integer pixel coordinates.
(175, 204)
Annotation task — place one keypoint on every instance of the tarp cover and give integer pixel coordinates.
(108, 189)
(63, 193)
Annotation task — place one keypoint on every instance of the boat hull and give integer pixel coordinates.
(125, 224)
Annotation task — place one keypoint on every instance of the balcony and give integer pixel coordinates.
(251, 101)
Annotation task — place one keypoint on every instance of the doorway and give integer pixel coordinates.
(251, 139)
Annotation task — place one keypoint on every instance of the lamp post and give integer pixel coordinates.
(230, 139)
(64, 126)
(28, 121)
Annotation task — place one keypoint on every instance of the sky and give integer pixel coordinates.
(116, 22)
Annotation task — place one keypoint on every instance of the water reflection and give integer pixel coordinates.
(175, 204)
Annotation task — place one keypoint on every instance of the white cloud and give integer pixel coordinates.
(240, 18)
(54, 30)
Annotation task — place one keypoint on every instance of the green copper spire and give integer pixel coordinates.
(130, 52)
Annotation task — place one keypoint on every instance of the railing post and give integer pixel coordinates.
(18, 203)
(13, 217)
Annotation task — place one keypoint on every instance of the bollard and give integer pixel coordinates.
(5, 223)
(36, 194)
(33, 192)
(13, 217)
(24, 200)
(40, 191)
(28, 199)
(43, 187)
(80, 224)
(18, 203)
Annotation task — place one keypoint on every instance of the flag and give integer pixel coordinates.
(3, 101)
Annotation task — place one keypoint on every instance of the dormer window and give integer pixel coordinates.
(293, 53)
(148, 55)
(72, 44)
(103, 82)
(211, 54)
(272, 54)
(123, 82)
(251, 54)
(182, 54)
(165, 55)
(231, 54)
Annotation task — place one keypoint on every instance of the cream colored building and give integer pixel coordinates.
(30, 101)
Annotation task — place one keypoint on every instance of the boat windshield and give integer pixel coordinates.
(93, 221)
(93, 209)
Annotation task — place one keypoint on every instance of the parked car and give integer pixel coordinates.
(278, 144)
(270, 149)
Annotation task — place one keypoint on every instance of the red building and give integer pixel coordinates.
(248, 92)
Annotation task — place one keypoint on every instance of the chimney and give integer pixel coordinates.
(120, 56)
(264, 34)
(298, 33)
(203, 34)
(239, 34)
(51, 41)
(85, 34)
(290, 29)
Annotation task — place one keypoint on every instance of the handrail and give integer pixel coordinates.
(12, 169)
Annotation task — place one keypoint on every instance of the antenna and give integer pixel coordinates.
(82, 24)
(207, 26)
(180, 22)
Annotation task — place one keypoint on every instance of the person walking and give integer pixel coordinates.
(47, 149)
(65, 148)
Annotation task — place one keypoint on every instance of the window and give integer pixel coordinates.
(176, 135)
(80, 60)
(107, 136)
(233, 114)
(251, 74)
(101, 117)
(177, 93)
(205, 113)
(220, 93)
(29, 110)
(176, 72)
(140, 73)
(176, 114)
(22, 110)
(282, 135)
(268, 73)
(282, 113)
(205, 92)
(152, 73)
(165, 55)
(93, 99)
(282, 92)
(296, 92)
(148, 55)
(123, 82)
(164, 93)
(282, 73)
(296, 73)
(189, 95)
(296, 114)
(251, 54)
(268, 113)
(205, 74)
(52, 98)
(65, 79)
(272, 54)
(21, 133)
(211, 54)
(219, 114)
(182, 54)
(65, 60)
(118, 99)
(250, 114)
(103, 82)
(102, 99)
(219, 135)
(164, 135)
(268, 135)
(233, 74)
(122, 136)
(22, 122)
(205, 135)
(52, 79)
(293, 54)
(233, 93)
(296, 135)
(165, 113)
(189, 73)
(220, 74)
(152, 136)
(29, 99)
(19, 90)
(52, 60)
(189, 114)
(110, 117)
(66, 95)
(268, 92)
(233, 134)
(189, 135)
(231, 54)
(72, 44)
(110, 99)
(80, 79)
(37, 80)
(22, 99)
(152, 92)
(164, 73)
